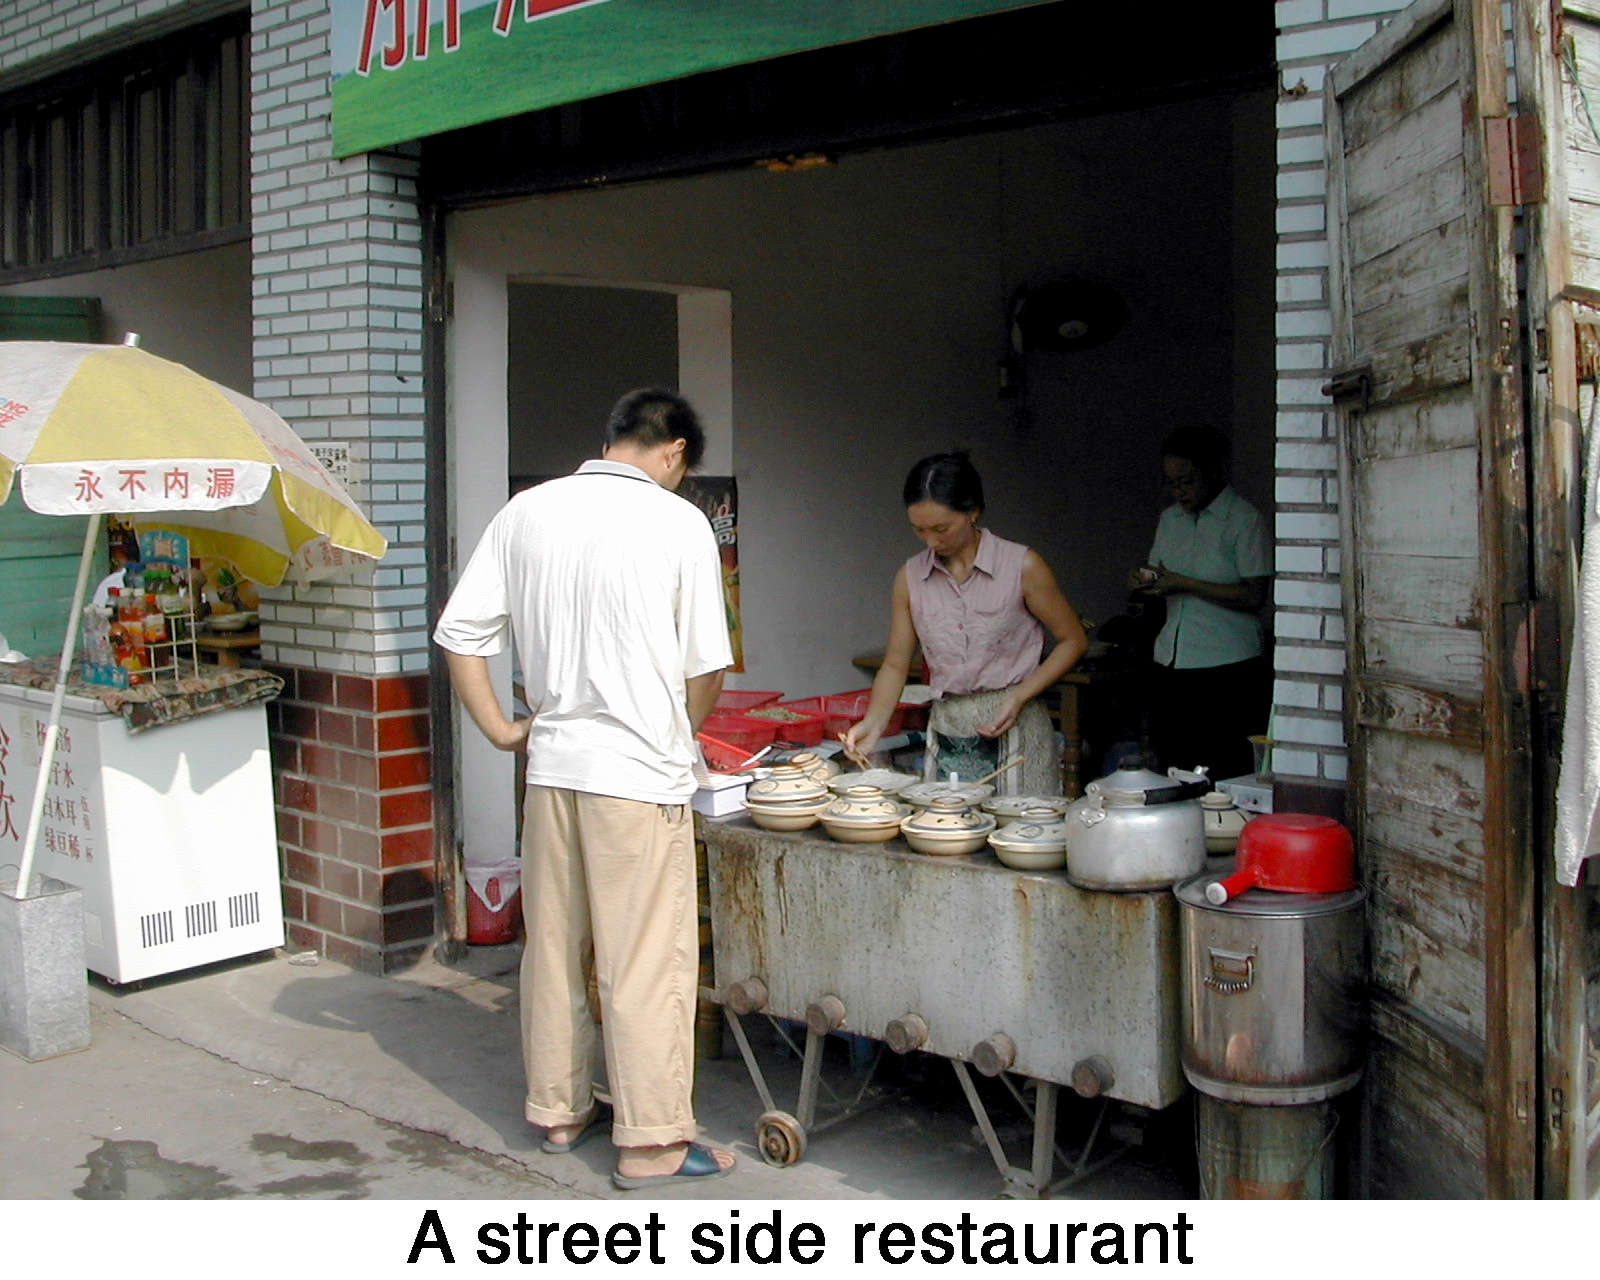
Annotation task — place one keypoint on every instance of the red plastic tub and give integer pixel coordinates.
(738, 701)
(844, 709)
(803, 725)
(740, 732)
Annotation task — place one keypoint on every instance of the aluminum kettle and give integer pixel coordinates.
(1137, 830)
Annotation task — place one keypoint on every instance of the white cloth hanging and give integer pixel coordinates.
(1578, 789)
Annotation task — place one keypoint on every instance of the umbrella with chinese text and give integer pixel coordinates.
(93, 430)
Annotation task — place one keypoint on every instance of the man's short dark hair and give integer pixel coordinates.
(653, 416)
(1204, 446)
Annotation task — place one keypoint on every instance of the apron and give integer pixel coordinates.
(955, 746)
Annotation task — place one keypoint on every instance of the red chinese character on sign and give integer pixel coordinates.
(7, 826)
(133, 481)
(5, 749)
(175, 484)
(88, 486)
(219, 482)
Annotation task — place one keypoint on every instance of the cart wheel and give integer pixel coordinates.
(781, 1139)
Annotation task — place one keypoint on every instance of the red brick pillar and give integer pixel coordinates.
(355, 815)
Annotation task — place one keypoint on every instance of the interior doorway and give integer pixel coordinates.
(538, 361)
(571, 350)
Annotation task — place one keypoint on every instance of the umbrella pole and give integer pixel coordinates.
(47, 753)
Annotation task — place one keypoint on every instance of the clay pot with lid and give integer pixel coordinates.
(1036, 841)
(921, 795)
(1224, 821)
(790, 815)
(815, 766)
(786, 784)
(948, 826)
(864, 815)
(1009, 808)
(787, 799)
(889, 781)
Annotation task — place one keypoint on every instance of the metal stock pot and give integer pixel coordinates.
(1136, 830)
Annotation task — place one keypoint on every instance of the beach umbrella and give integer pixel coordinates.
(92, 430)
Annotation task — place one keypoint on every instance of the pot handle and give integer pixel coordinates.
(1093, 813)
(1219, 891)
(1178, 791)
(1231, 971)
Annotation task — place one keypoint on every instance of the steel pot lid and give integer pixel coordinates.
(1266, 902)
(1135, 785)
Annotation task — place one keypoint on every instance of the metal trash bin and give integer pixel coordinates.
(1273, 1030)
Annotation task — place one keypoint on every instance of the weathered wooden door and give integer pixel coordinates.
(1431, 415)
(1558, 76)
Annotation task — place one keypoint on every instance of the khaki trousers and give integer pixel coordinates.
(608, 886)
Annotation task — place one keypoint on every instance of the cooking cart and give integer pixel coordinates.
(1019, 974)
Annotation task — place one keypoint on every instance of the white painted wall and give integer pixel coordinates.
(868, 305)
(193, 308)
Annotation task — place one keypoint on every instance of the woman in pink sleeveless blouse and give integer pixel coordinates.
(985, 611)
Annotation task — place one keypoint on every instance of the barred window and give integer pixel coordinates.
(138, 156)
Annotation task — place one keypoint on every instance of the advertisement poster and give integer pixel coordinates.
(718, 497)
(409, 68)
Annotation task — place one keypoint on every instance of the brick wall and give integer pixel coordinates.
(1309, 655)
(338, 352)
(355, 814)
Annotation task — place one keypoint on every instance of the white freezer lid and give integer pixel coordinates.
(41, 698)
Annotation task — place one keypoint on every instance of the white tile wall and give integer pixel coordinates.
(338, 338)
(1309, 655)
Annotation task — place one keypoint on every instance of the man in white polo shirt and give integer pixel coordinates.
(1212, 562)
(611, 588)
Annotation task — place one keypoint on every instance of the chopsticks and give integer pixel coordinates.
(854, 756)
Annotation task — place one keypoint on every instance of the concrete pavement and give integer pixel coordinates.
(266, 1078)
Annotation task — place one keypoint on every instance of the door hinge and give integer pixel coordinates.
(441, 302)
(1511, 147)
(1558, 1111)
(1351, 385)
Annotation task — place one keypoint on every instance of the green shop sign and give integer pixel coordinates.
(408, 68)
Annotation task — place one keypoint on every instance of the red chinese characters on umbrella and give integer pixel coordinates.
(11, 410)
(113, 487)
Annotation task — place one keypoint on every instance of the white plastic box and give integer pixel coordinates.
(721, 794)
(169, 833)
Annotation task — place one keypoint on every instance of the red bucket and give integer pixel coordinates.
(494, 903)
